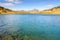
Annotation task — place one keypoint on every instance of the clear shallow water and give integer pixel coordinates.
(31, 27)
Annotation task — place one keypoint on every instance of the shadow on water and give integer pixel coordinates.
(3, 25)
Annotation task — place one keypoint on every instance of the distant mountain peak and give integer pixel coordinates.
(55, 10)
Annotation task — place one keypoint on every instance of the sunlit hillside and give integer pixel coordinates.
(55, 10)
(5, 11)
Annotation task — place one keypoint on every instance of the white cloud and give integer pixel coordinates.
(9, 0)
(50, 5)
(6, 4)
(18, 2)
(14, 1)
(10, 3)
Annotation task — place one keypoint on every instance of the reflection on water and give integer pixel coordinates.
(30, 27)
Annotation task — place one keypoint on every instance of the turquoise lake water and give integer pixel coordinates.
(42, 27)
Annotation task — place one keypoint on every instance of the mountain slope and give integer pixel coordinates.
(55, 10)
(5, 11)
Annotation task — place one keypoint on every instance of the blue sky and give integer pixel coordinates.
(29, 4)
